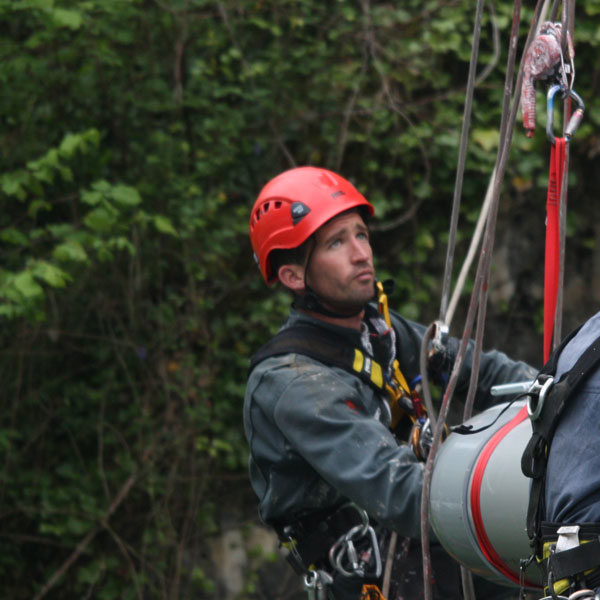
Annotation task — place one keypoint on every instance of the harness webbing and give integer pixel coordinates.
(326, 347)
(535, 456)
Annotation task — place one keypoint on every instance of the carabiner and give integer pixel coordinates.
(537, 395)
(575, 119)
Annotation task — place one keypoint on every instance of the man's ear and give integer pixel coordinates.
(292, 276)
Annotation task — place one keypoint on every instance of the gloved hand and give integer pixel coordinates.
(442, 352)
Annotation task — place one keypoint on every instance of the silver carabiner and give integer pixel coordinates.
(364, 517)
(310, 584)
(575, 119)
(345, 546)
(538, 390)
(324, 580)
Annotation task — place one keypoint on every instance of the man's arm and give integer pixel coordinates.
(326, 418)
(495, 367)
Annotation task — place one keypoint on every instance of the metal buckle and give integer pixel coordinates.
(538, 390)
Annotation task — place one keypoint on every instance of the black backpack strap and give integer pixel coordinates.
(546, 404)
(326, 347)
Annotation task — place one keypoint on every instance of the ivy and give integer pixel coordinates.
(135, 138)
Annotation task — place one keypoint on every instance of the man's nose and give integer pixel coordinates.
(361, 251)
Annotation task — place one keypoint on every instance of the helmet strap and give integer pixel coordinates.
(311, 302)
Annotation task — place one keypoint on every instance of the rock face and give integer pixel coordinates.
(514, 318)
(246, 562)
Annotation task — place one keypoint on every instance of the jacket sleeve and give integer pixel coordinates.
(323, 417)
(495, 367)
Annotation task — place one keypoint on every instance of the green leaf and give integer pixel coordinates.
(164, 225)
(50, 274)
(100, 219)
(8, 310)
(11, 235)
(126, 195)
(70, 143)
(27, 285)
(70, 251)
(67, 18)
(91, 197)
(12, 184)
(38, 205)
(486, 138)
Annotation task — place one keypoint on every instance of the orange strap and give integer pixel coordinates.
(371, 592)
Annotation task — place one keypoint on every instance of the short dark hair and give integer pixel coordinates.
(291, 256)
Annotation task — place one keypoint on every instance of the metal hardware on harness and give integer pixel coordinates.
(538, 390)
(364, 517)
(568, 537)
(290, 544)
(344, 550)
(440, 336)
(575, 119)
(316, 583)
(580, 594)
(504, 389)
(421, 439)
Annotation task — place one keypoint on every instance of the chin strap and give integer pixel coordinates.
(310, 301)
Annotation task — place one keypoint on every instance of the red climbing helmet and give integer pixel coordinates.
(293, 205)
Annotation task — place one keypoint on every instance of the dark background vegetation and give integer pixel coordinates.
(135, 136)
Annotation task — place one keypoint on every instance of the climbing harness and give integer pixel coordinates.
(405, 399)
(342, 545)
(330, 348)
(567, 555)
(345, 536)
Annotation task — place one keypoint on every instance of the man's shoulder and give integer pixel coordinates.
(583, 339)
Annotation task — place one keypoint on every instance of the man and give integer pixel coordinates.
(319, 429)
(567, 538)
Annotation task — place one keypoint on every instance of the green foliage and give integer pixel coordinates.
(136, 135)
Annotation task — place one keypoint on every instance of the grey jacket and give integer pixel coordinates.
(319, 435)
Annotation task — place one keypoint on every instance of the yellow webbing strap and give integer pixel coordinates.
(364, 364)
(400, 386)
(562, 585)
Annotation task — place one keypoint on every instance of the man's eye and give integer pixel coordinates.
(335, 243)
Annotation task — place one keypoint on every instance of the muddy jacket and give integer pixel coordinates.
(572, 491)
(319, 434)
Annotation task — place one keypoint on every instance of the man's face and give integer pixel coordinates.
(341, 264)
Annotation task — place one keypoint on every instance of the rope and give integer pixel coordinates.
(568, 20)
(479, 294)
(436, 430)
(464, 138)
